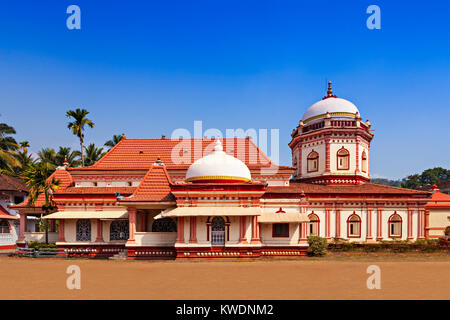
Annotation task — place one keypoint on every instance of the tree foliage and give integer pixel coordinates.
(427, 177)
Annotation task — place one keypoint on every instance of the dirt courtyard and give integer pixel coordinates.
(329, 278)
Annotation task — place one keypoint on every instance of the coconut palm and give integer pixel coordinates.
(115, 140)
(8, 146)
(48, 155)
(37, 179)
(24, 160)
(65, 154)
(78, 124)
(24, 145)
(93, 154)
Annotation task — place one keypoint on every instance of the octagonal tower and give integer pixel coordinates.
(331, 143)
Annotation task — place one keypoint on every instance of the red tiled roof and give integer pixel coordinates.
(364, 188)
(176, 154)
(439, 200)
(61, 175)
(97, 190)
(8, 183)
(154, 187)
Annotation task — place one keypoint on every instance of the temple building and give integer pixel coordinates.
(224, 198)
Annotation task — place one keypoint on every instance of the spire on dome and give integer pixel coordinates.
(218, 145)
(329, 92)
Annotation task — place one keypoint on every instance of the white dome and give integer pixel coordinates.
(337, 107)
(218, 166)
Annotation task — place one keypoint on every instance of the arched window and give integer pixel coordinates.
(343, 159)
(364, 162)
(395, 226)
(83, 230)
(164, 225)
(313, 224)
(119, 230)
(4, 226)
(218, 231)
(313, 162)
(354, 226)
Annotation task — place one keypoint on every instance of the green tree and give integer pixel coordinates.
(115, 140)
(24, 145)
(48, 155)
(77, 126)
(37, 178)
(8, 146)
(93, 154)
(427, 177)
(72, 157)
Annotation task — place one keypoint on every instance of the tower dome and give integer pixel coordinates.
(218, 166)
(332, 105)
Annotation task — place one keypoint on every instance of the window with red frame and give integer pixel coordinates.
(364, 162)
(354, 226)
(313, 162)
(313, 224)
(280, 230)
(343, 159)
(395, 226)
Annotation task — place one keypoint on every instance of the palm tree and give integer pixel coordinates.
(77, 126)
(8, 146)
(37, 179)
(48, 155)
(93, 154)
(65, 154)
(24, 160)
(24, 145)
(115, 140)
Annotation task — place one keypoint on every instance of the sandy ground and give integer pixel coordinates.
(329, 278)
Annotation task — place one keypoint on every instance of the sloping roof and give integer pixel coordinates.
(61, 175)
(5, 214)
(8, 183)
(439, 200)
(364, 188)
(155, 186)
(176, 154)
(97, 190)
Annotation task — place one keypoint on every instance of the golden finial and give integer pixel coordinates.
(330, 91)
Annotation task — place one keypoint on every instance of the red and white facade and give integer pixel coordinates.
(200, 198)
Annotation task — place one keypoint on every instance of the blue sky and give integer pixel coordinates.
(148, 67)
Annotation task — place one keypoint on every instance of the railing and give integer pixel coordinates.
(6, 239)
(217, 238)
(41, 253)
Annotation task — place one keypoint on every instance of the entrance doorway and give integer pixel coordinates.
(218, 231)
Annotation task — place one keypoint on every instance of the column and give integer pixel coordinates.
(427, 223)
(410, 223)
(255, 230)
(421, 219)
(180, 230)
(243, 223)
(327, 155)
(357, 171)
(327, 223)
(379, 224)
(23, 227)
(61, 236)
(338, 223)
(193, 230)
(52, 225)
(99, 231)
(369, 213)
(303, 227)
(132, 223)
(299, 161)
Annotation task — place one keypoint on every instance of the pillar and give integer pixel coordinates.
(327, 223)
(242, 225)
(99, 231)
(421, 220)
(303, 226)
(379, 224)
(61, 236)
(255, 230)
(180, 230)
(410, 223)
(338, 223)
(369, 236)
(327, 155)
(23, 227)
(52, 225)
(357, 171)
(132, 224)
(427, 223)
(193, 230)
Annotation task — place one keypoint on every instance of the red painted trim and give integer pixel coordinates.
(338, 223)
(369, 224)
(313, 155)
(359, 226)
(364, 168)
(327, 223)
